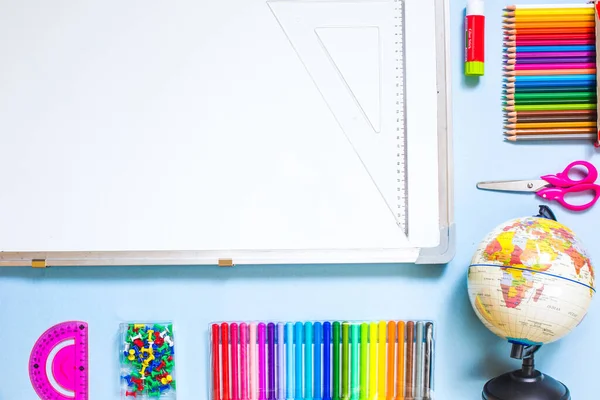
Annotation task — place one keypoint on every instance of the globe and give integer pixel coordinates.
(530, 281)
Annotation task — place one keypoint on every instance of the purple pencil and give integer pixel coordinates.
(551, 66)
(562, 54)
(262, 373)
(271, 360)
(555, 60)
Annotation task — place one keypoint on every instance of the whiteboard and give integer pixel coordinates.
(250, 131)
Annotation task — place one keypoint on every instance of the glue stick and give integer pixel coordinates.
(474, 38)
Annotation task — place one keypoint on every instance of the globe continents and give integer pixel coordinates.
(530, 281)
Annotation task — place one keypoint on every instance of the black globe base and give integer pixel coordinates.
(526, 383)
(517, 386)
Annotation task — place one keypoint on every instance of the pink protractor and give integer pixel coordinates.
(558, 194)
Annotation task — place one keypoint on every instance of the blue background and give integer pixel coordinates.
(467, 354)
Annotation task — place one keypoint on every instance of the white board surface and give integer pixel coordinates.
(230, 127)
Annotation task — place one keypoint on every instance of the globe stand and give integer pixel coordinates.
(526, 383)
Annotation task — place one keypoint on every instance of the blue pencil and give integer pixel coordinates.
(326, 361)
(308, 363)
(549, 84)
(536, 78)
(318, 341)
(289, 358)
(298, 345)
(540, 49)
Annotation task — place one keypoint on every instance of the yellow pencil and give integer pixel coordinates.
(550, 125)
(372, 393)
(542, 72)
(550, 18)
(550, 11)
(382, 360)
(552, 25)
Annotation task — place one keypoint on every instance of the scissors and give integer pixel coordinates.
(554, 187)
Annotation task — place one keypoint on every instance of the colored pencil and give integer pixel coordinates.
(554, 118)
(551, 107)
(419, 341)
(550, 60)
(548, 54)
(326, 361)
(553, 36)
(216, 363)
(532, 42)
(262, 367)
(544, 72)
(550, 131)
(225, 359)
(308, 363)
(552, 137)
(565, 89)
(551, 78)
(280, 362)
(539, 113)
(551, 84)
(549, 18)
(400, 362)
(547, 7)
(317, 358)
(548, 101)
(354, 383)
(233, 332)
(298, 341)
(546, 49)
(548, 25)
(289, 358)
(549, 125)
(550, 66)
(428, 359)
(550, 11)
(270, 360)
(364, 351)
(381, 358)
(545, 31)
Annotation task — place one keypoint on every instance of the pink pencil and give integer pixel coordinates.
(573, 42)
(234, 361)
(551, 66)
(243, 362)
(562, 54)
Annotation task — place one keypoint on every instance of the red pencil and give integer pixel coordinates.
(225, 359)
(553, 36)
(215, 363)
(527, 42)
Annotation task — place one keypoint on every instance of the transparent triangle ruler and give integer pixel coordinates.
(354, 53)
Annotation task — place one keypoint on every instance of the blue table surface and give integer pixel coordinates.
(467, 354)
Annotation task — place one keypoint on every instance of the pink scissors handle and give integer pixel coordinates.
(562, 179)
(558, 194)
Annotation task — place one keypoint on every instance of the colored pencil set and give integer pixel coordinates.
(549, 88)
(329, 360)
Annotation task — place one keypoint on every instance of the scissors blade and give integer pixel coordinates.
(532, 185)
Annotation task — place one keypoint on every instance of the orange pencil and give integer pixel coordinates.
(391, 343)
(400, 363)
(550, 18)
(542, 72)
(546, 25)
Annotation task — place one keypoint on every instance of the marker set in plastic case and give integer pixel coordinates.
(322, 360)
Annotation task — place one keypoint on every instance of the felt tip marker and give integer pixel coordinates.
(475, 38)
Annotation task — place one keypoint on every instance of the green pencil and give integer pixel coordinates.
(354, 362)
(564, 95)
(336, 361)
(345, 356)
(364, 347)
(551, 107)
(550, 101)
